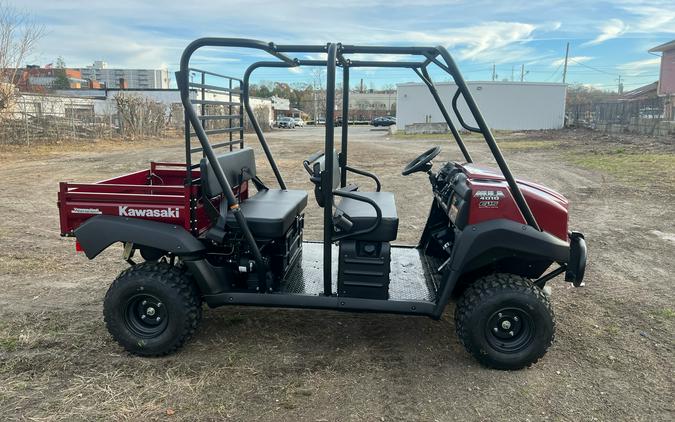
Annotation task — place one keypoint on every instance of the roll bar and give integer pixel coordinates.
(336, 56)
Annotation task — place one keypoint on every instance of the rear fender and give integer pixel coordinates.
(101, 231)
(494, 240)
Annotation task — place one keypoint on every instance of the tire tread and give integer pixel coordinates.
(485, 287)
(174, 278)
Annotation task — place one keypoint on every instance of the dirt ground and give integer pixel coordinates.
(612, 359)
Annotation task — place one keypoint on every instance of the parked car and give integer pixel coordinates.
(299, 122)
(286, 122)
(383, 121)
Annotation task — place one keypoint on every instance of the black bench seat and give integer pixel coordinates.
(270, 213)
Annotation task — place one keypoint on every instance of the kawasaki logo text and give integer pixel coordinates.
(163, 213)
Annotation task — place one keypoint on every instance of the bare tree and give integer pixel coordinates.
(318, 94)
(140, 116)
(19, 35)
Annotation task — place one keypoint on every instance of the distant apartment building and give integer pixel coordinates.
(126, 78)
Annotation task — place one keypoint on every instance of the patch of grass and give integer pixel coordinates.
(8, 344)
(642, 169)
(525, 144)
(404, 136)
(666, 313)
(612, 329)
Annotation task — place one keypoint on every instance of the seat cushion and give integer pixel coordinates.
(363, 215)
(270, 213)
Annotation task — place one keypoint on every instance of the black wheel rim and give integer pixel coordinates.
(510, 330)
(145, 315)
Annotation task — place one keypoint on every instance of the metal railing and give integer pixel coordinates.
(219, 101)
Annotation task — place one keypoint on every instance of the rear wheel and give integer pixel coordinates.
(505, 321)
(152, 308)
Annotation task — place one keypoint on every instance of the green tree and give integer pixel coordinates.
(61, 81)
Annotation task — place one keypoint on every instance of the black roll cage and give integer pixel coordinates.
(336, 57)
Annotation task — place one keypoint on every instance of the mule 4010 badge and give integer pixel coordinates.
(489, 198)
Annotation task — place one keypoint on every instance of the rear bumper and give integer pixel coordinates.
(576, 267)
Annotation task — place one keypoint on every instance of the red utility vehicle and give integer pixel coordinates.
(214, 232)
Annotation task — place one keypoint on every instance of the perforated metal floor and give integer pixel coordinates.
(410, 279)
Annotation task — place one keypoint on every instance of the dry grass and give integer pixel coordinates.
(57, 361)
(642, 169)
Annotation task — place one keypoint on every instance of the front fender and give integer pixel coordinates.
(101, 231)
(481, 243)
(495, 236)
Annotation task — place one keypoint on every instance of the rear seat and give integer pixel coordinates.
(270, 212)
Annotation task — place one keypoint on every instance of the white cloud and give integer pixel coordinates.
(612, 29)
(640, 67)
(477, 41)
(651, 16)
(571, 61)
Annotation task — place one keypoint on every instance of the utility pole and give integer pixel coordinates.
(494, 72)
(620, 88)
(567, 55)
(522, 72)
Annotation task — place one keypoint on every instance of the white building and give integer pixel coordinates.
(505, 105)
(134, 78)
(40, 105)
(382, 101)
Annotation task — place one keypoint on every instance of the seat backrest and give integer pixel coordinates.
(319, 166)
(238, 166)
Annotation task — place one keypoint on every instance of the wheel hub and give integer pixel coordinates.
(145, 315)
(510, 330)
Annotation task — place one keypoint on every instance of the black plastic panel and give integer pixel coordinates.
(411, 279)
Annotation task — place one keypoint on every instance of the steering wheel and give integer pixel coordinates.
(421, 163)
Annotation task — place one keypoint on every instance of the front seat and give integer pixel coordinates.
(354, 211)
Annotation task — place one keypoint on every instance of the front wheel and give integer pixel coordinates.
(505, 321)
(152, 308)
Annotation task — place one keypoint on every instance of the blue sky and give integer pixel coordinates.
(607, 38)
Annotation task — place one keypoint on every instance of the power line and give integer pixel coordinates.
(555, 72)
(593, 68)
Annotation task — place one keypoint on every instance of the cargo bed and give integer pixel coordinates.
(159, 193)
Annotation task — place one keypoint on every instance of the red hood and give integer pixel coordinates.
(475, 171)
(550, 208)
